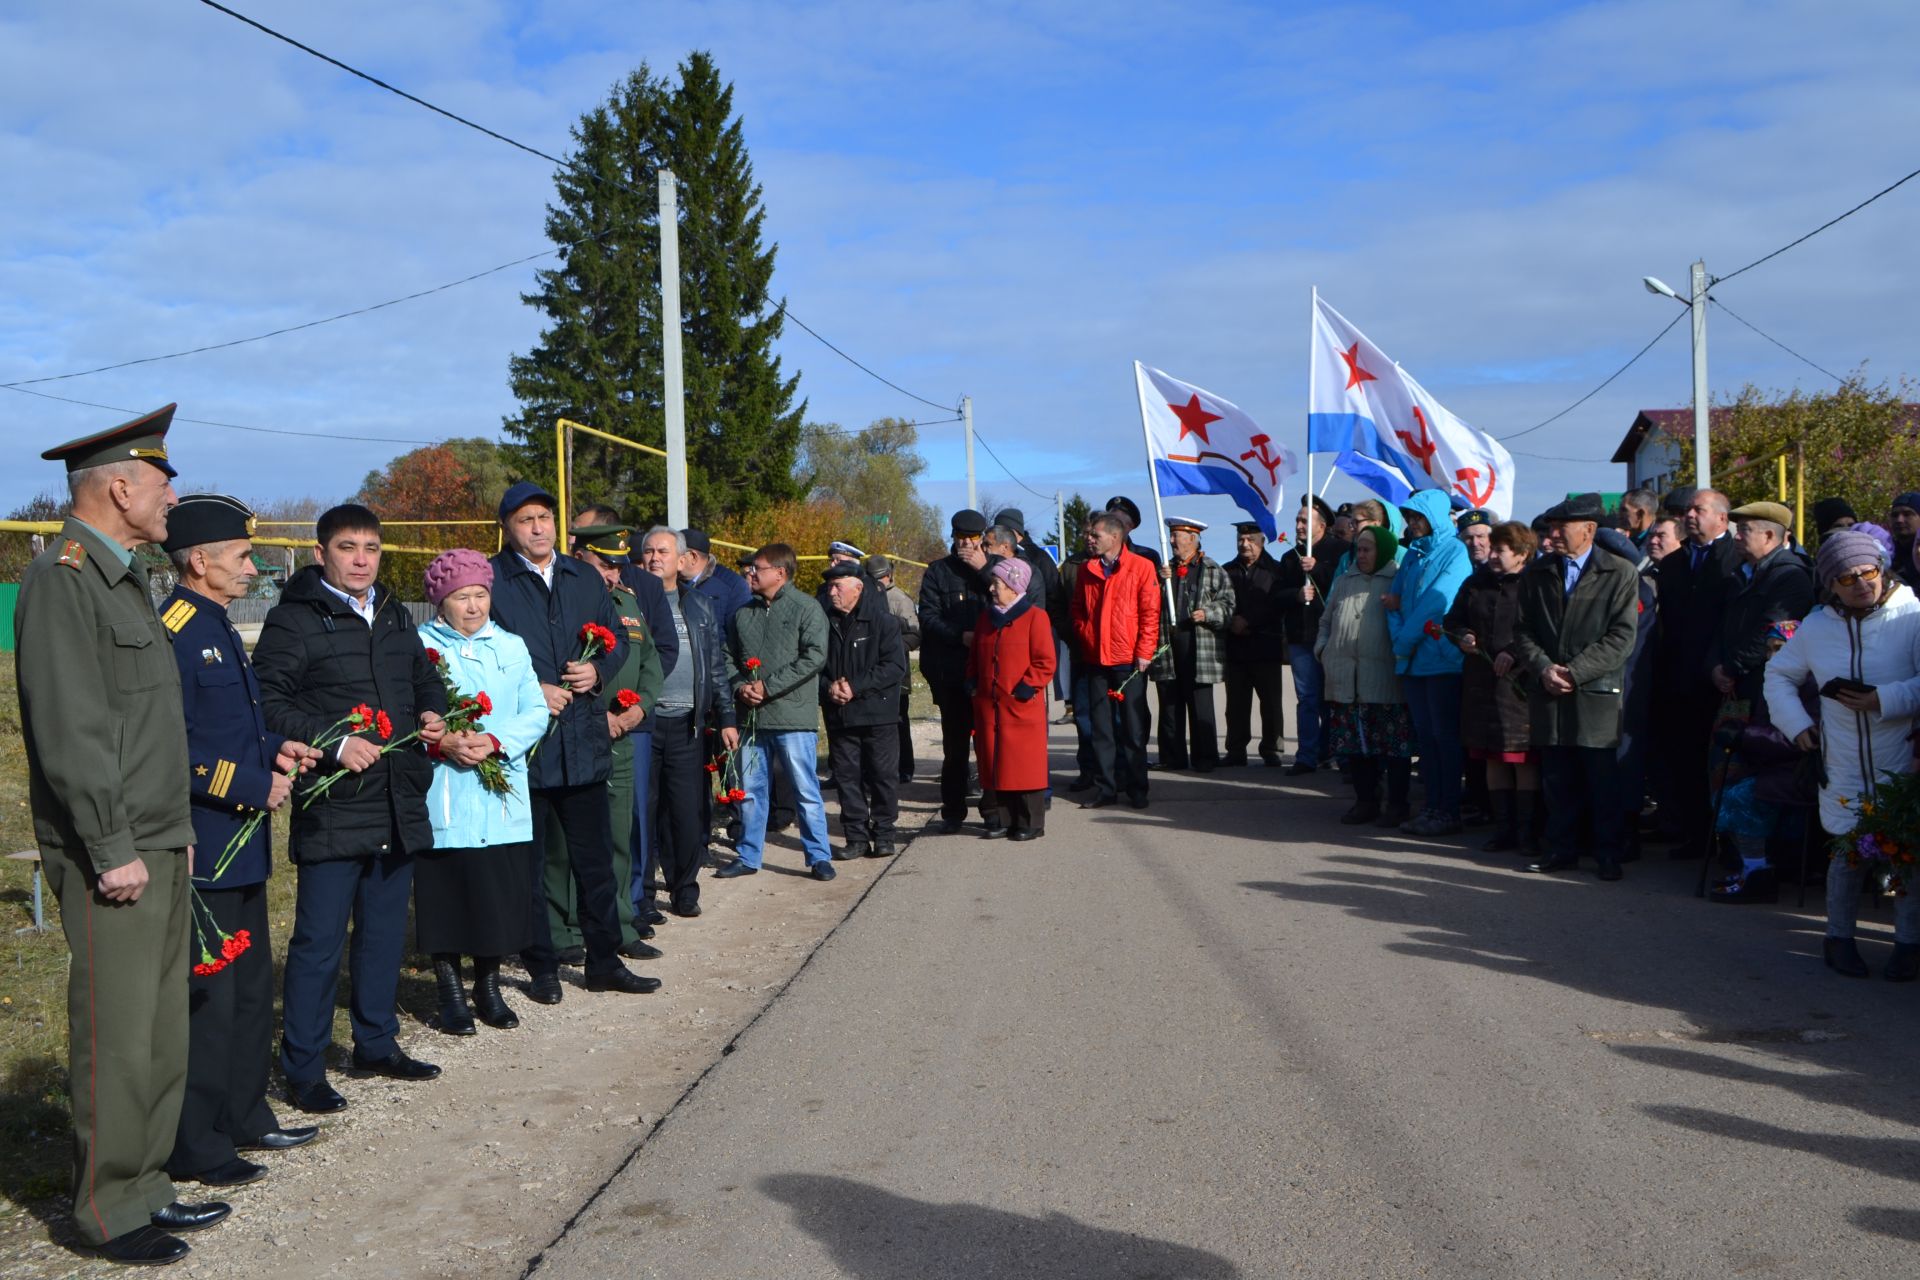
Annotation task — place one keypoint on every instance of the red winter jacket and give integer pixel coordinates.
(1116, 620)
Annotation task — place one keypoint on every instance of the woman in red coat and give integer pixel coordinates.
(1011, 662)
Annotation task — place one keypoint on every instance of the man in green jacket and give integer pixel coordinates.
(776, 645)
(1579, 609)
(108, 770)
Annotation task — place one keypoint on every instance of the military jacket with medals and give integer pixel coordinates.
(230, 748)
(639, 665)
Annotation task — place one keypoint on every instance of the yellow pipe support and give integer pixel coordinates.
(1783, 477)
(420, 524)
(560, 428)
(620, 440)
(1800, 493)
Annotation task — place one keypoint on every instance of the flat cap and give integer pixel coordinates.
(1011, 518)
(144, 439)
(521, 493)
(1774, 511)
(844, 569)
(608, 541)
(1580, 506)
(845, 549)
(969, 522)
(880, 566)
(201, 518)
(697, 540)
(1678, 500)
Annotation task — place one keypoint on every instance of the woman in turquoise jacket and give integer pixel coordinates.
(470, 892)
(1433, 568)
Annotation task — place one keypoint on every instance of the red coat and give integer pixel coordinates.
(1009, 734)
(1116, 621)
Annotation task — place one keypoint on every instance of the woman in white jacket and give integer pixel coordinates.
(1868, 632)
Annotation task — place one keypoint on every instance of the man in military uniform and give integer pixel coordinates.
(608, 548)
(240, 769)
(107, 770)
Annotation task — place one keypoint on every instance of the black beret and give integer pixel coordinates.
(844, 569)
(697, 540)
(200, 518)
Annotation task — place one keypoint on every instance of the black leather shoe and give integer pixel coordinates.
(882, 849)
(193, 1217)
(1300, 767)
(1136, 802)
(545, 988)
(624, 981)
(946, 827)
(1363, 812)
(637, 950)
(317, 1098)
(1081, 784)
(734, 870)
(1100, 802)
(1548, 865)
(687, 910)
(234, 1173)
(1904, 964)
(854, 849)
(1843, 957)
(574, 956)
(1233, 762)
(651, 915)
(1608, 869)
(1271, 761)
(395, 1066)
(488, 1004)
(1392, 815)
(995, 832)
(145, 1247)
(1025, 833)
(281, 1139)
(822, 871)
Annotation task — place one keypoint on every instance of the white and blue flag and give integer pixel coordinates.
(1200, 443)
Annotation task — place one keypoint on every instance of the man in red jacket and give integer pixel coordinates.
(1116, 625)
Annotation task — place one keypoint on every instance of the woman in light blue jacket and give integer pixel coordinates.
(1433, 568)
(470, 892)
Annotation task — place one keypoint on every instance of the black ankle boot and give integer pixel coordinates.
(1506, 832)
(1843, 957)
(1904, 964)
(488, 1003)
(456, 1019)
(1534, 834)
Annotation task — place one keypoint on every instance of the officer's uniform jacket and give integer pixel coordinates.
(228, 743)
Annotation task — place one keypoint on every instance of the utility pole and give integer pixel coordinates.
(1702, 434)
(1060, 523)
(675, 391)
(966, 416)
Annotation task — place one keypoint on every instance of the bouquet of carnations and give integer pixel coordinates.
(726, 766)
(362, 719)
(1886, 829)
(463, 716)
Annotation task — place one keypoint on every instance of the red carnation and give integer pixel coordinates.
(207, 970)
(233, 948)
(362, 716)
(1432, 630)
(736, 794)
(596, 639)
(753, 664)
(383, 725)
(486, 703)
(713, 766)
(1114, 695)
(626, 699)
(433, 656)
(725, 797)
(1179, 571)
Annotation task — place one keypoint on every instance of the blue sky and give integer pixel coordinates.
(1007, 201)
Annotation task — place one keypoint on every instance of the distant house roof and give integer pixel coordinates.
(1675, 424)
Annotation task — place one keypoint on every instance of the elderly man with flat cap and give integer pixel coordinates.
(107, 770)
(241, 769)
(1189, 662)
(1774, 583)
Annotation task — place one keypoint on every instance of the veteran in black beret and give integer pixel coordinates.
(239, 771)
(101, 718)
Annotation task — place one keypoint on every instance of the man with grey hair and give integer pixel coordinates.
(1773, 584)
(1693, 585)
(1002, 543)
(1640, 507)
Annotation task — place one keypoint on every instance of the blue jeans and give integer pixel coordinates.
(1308, 680)
(1434, 703)
(797, 754)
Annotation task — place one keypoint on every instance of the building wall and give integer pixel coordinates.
(1655, 465)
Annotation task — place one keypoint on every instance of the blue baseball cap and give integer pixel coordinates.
(520, 494)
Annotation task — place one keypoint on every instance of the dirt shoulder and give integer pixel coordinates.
(473, 1174)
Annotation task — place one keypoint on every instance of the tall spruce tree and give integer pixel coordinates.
(598, 359)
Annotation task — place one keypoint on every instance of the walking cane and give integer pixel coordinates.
(1719, 795)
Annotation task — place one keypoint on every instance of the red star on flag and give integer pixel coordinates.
(1355, 374)
(1193, 419)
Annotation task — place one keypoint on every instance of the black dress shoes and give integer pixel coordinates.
(822, 871)
(1270, 759)
(1608, 869)
(1136, 802)
(1081, 784)
(995, 832)
(545, 988)
(624, 981)
(686, 910)
(735, 869)
(637, 950)
(1556, 863)
(1025, 833)
(882, 849)
(145, 1247)
(1101, 801)
(191, 1217)
(650, 915)
(1904, 964)
(234, 1173)
(1233, 762)
(395, 1066)
(281, 1139)
(854, 849)
(575, 956)
(1362, 812)
(316, 1098)
(1301, 767)
(1843, 957)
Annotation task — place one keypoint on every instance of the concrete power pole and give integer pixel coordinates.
(674, 392)
(1702, 432)
(1060, 524)
(966, 416)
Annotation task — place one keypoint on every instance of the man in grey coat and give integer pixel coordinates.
(1578, 615)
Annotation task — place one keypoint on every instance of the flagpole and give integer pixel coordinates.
(1313, 318)
(1153, 478)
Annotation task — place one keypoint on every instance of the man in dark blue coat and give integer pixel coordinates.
(699, 570)
(546, 598)
(239, 771)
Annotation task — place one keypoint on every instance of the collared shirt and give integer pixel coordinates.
(362, 611)
(546, 574)
(124, 552)
(1575, 566)
(1697, 552)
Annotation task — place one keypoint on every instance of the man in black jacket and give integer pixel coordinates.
(860, 696)
(1309, 580)
(1693, 584)
(1255, 646)
(338, 640)
(1773, 584)
(546, 599)
(953, 590)
(693, 694)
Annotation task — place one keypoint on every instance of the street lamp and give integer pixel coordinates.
(1702, 443)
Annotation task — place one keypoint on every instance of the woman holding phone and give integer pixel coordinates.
(1862, 651)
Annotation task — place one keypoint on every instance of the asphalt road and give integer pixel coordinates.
(1227, 1037)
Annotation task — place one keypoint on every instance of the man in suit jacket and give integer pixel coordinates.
(1693, 586)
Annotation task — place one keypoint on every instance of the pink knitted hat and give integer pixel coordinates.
(452, 570)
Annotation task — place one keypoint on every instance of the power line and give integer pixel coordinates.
(230, 426)
(981, 441)
(1775, 341)
(571, 165)
(1817, 230)
(1603, 386)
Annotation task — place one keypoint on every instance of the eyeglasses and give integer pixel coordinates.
(1866, 573)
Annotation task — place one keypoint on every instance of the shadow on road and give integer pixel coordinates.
(875, 1234)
